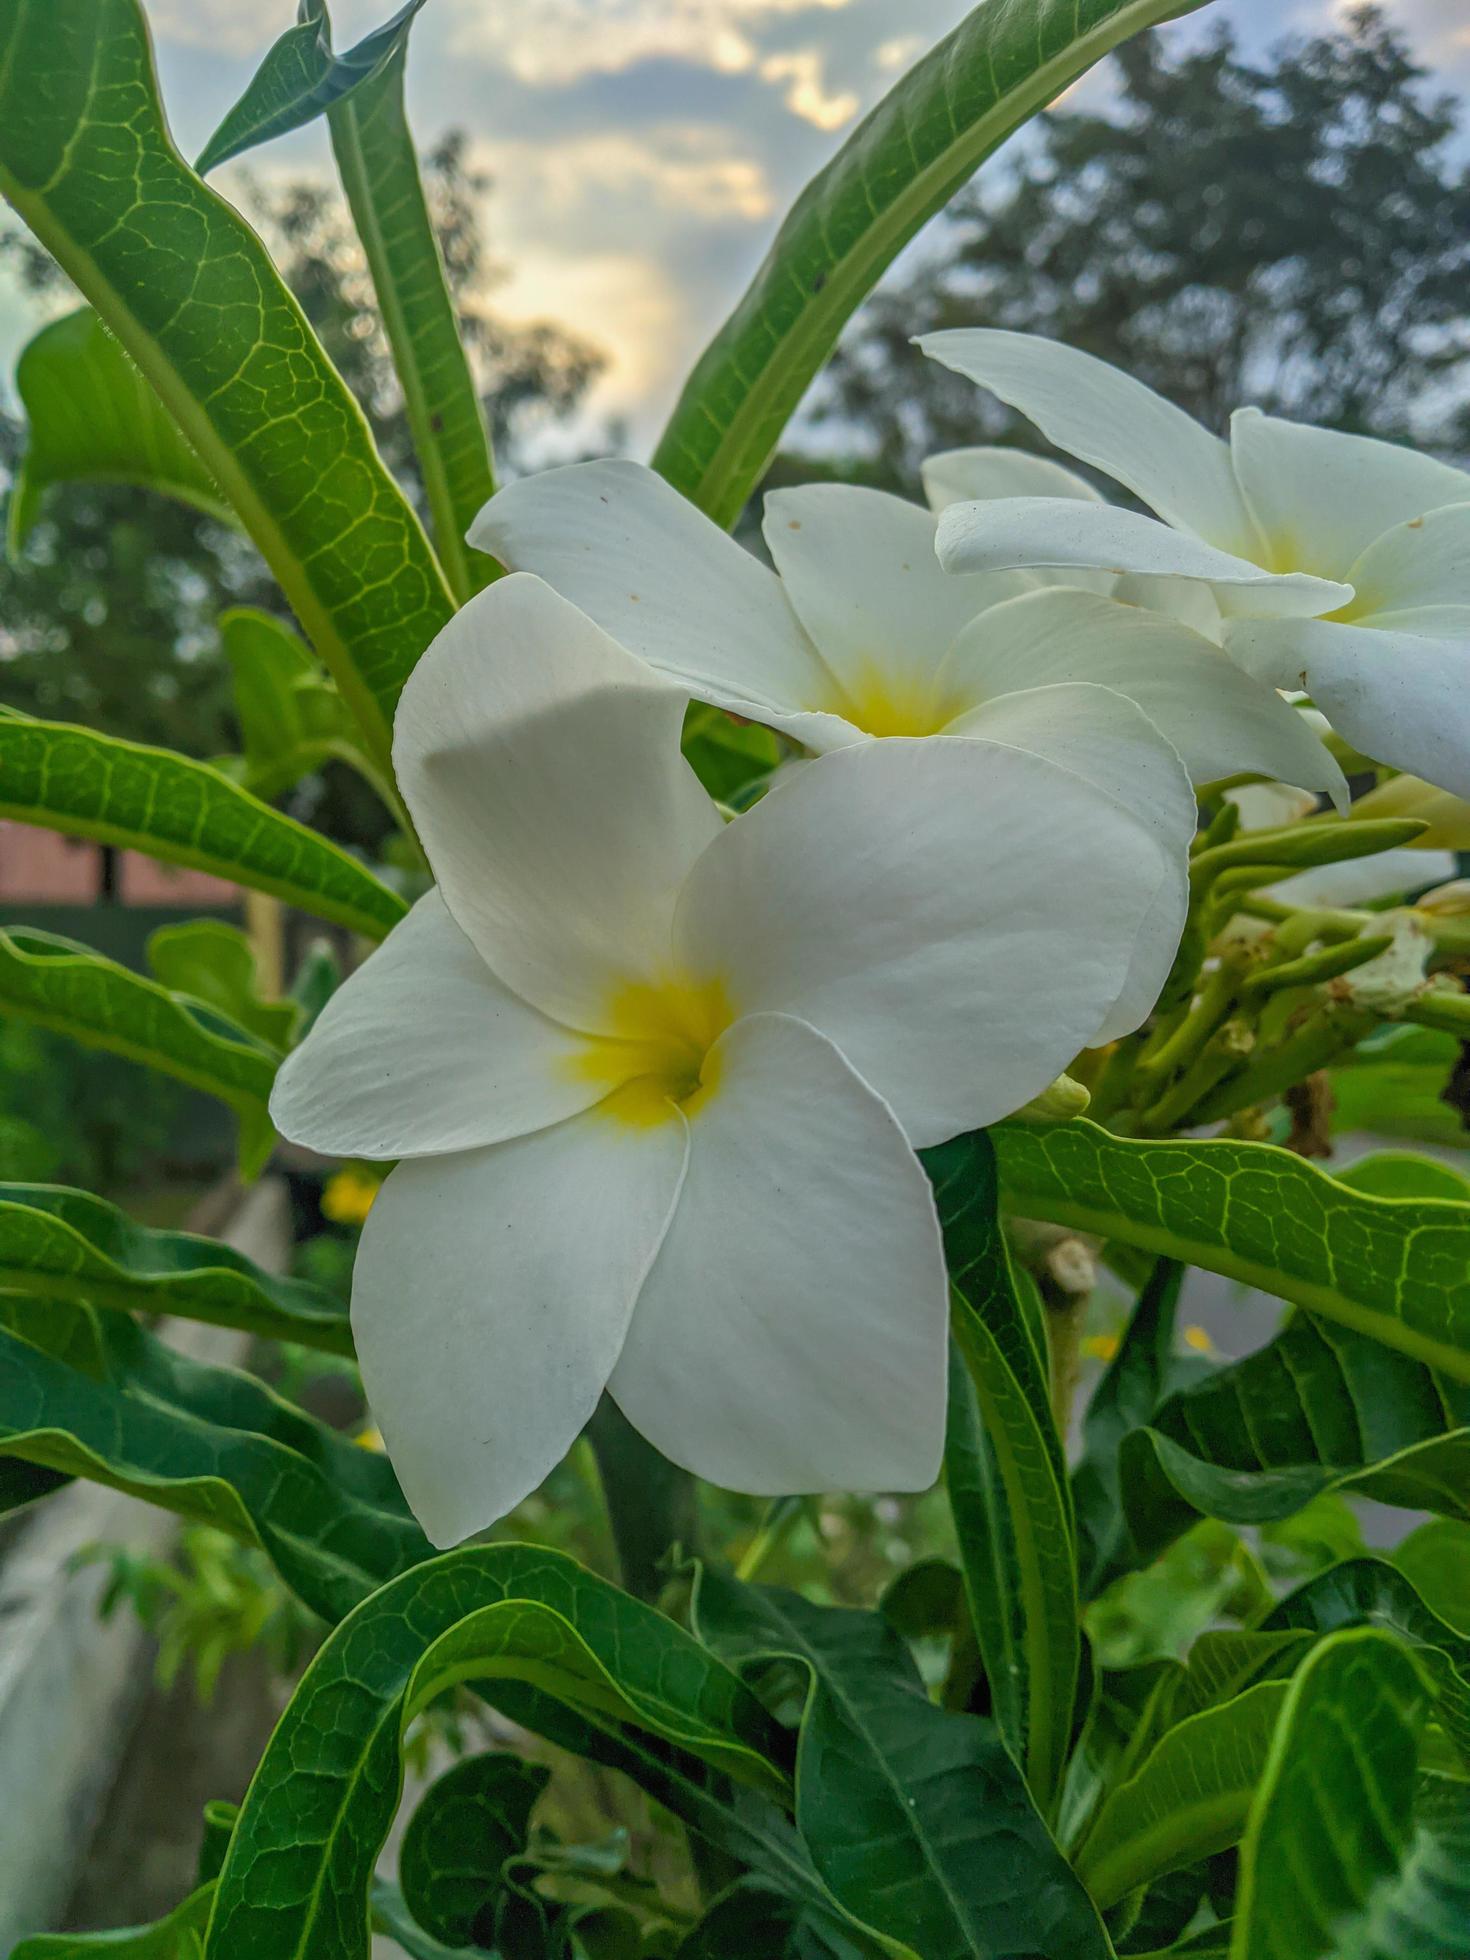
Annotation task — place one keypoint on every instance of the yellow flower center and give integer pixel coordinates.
(881, 702)
(656, 1059)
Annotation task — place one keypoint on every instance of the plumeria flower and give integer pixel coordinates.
(655, 1083)
(1339, 565)
(860, 633)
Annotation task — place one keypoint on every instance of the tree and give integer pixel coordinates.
(1294, 233)
(108, 618)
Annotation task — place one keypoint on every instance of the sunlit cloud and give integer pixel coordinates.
(805, 94)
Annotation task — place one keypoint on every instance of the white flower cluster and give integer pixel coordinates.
(656, 1081)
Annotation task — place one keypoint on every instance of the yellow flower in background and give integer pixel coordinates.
(348, 1195)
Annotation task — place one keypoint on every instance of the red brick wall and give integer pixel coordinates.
(39, 867)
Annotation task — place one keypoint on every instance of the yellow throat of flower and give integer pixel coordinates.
(883, 702)
(655, 1060)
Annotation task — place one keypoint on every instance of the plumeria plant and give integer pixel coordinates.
(799, 976)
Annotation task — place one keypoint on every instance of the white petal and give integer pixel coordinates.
(1010, 532)
(792, 1334)
(1320, 497)
(1108, 419)
(958, 917)
(659, 576)
(541, 763)
(1221, 722)
(422, 1050)
(1360, 880)
(1401, 698)
(490, 1298)
(960, 476)
(1189, 600)
(1424, 562)
(859, 569)
(1112, 744)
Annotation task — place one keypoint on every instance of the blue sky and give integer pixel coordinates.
(643, 150)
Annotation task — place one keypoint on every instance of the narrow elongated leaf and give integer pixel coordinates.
(91, 417)
(61, 985)
(1332, 1817)
(1004, 61)
(917, 1819)
(1435, 1560)
(1186, 1800)
(1423, 1911)
(1130, 1390)
(189, 291)
(380, 174)
(89, 785)
(1405, 1174)
(300, 1863)
(292, 718)
(1319, 1408)
(301, 79)
(59, 1244)
(1006, 1477)
(1397, 1269)
(1369, 1592)
(178, 1936)
(213, 1445)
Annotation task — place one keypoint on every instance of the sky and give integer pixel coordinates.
(643, 151)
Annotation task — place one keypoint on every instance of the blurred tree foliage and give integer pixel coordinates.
(1293, 233)
(109, 617)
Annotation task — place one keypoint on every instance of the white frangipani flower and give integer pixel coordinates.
(657, 1082)
(1340, 565)
(861, 634)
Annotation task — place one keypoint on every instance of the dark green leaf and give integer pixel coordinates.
(301, 79)
(179, 1936)
(1332, 1818)
(1435, 1560)
(1368, 1592)
(184, 812)
(216, 1446)
(300, 1863)
(1394, 1268)
(1006, 1476)
(727, 755)
(91, 417)
(189, 291)
(59, 1244)
(1319, 1408)
(467, 1825)
(58, 984)
(1393, 1084)
(918, 1820)
(903, 163)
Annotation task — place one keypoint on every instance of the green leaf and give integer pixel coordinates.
(1187, 1799)
(1405, 1174)
(380, 174)
(467, 1824)
(1006, 1476)
(179, 1936)
(1394, 1084)
(216, 1446)
(301, 79)
(300, 1863)
(1369, 1592)
(750, 1918)
(1423, 1911)
(215, 963)
(1318, 1408)
(1332, 1817)
(727, 755)
(1435, 1560)
(89, 785)
(292, 719)
(1131, 1388)
(1393, 1268)
(60, 985)
(189, 291)
(57, 1244)
(917, 1819)
(91, 417)
(901, 164)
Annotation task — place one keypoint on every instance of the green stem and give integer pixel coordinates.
(651, 1504)
(774, 1526)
